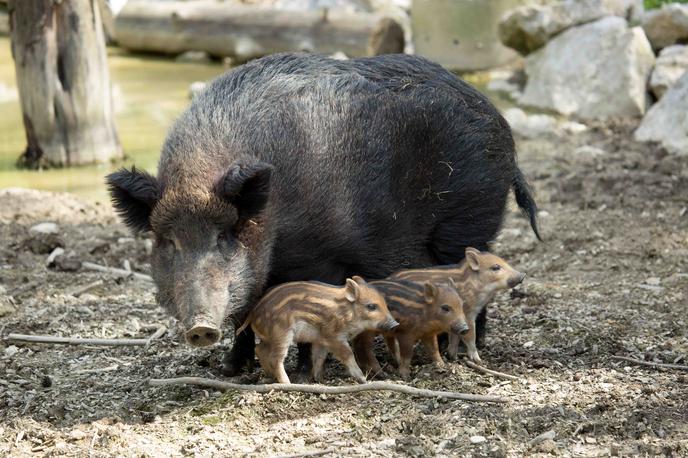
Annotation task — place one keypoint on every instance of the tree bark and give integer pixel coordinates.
(245, 32)
(64, 83)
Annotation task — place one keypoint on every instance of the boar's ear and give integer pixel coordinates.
(430, 292)
(352, 290)
(134, 193)
(472, 258)
(247, 187)
(453, 284)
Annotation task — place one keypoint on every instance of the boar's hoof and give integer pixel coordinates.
(203, 336)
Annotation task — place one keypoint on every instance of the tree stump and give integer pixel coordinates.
(64, 83)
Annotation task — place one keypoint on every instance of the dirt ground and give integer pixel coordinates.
(610, 279)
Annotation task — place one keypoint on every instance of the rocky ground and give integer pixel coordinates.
(610, 279)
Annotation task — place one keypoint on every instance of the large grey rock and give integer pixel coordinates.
(671, 64)
(528, 28)
(667, 25)
(594, 71)
(667, 120)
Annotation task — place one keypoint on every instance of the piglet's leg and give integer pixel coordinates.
(405, 354)
(469, 341)
(263, 352)
(342, 351)
(453, 346)
(393, 347)
(363, 348)
(318, 355)
(431, 346)
(279, 353)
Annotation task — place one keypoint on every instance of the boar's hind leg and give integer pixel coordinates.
(318, 354)
(303, 362)
(241, 354)
(405, 354)
(342, 351)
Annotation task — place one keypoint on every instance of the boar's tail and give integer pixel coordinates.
(524, 199)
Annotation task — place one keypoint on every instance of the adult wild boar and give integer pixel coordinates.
(300, 167)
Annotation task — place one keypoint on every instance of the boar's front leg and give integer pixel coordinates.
(342, 351)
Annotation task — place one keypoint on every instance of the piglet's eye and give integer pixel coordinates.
(446, 308)
(371, 307)
(495, 268)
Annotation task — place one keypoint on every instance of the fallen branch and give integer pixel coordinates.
(485, 370)
(322, 389)
(81, 341)
(116, 271)
(308, 454)
(76, 292)
(678, 367)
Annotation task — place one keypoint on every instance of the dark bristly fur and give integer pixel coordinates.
(376, 164)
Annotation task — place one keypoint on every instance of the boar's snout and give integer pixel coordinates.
(203, 335)
(460, 327)
(517, 279)
(389, 325)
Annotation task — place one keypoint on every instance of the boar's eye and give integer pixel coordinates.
(446, 308)
(496, 268)
(371, 307)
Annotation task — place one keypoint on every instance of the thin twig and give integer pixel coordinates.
(322, 389)
(485, 370)
(81, 341)
(678, 367)
(115, 271)
(76, 292)
(307, 454)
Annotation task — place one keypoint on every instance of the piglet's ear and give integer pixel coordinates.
(358, 280)
(472, 258)
(134, 193)
(430, 292)
(247, 187)
(351, 291)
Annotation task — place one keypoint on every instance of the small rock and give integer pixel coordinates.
(87, 297)
(612, 81)
(193, 56)
(666, 25)
(40, 243)
(529, 27)
(44, 228)
(530, 126)
(547, 446)
(589, 152)
(477, 439)
(77, 434)
(590, 440)
(528, 344)
(7, 305)
(196, 88)
(653, 281)
(50, 262)
(549, 435)
(573, 127)
(667, 121)
(339, 56)
(11, 351)
(671, 64)
(67, 264)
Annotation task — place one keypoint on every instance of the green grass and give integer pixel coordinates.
(650, 4)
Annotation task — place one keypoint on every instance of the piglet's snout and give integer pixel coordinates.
(460, 328)
(389, 325)
(517, 279)
(203, 335)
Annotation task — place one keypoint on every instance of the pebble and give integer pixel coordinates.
(477, 439)
(653, 281)
(11, 351)
(44, 228)
(549, 435)
(528, 344)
